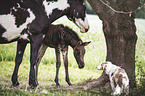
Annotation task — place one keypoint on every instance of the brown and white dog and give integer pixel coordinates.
(118, 78)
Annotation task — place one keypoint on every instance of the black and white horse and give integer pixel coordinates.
(27, 21)
(60, 37)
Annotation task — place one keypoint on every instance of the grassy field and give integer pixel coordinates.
(95, 54)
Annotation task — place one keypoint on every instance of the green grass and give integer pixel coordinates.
(95, 54)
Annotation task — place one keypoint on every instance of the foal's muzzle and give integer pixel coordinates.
(81, 65)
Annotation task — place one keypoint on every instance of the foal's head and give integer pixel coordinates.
(77, 14)
(79, 52)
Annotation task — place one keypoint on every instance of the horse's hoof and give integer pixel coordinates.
(16, 84)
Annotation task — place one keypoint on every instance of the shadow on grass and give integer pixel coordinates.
(64, 90)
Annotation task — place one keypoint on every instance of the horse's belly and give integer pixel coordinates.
(8, 28)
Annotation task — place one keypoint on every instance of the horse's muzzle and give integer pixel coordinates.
(84, 29)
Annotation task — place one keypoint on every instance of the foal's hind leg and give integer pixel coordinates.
(65, 59)
(41, 52)
(58, 63)
(21, 45)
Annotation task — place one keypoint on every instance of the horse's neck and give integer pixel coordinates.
(39, 1)
(51, 6)
(54, 9)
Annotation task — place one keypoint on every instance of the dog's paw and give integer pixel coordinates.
(114, 93)
(85, 87)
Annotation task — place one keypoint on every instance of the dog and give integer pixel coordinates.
(118, 78)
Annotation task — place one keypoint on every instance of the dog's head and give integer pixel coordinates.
(104, 65)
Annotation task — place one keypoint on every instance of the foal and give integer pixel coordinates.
(60, 37)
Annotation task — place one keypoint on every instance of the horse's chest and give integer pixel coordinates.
(12, 24)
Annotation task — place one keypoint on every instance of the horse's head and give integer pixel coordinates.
(77, 14)
(79, 52)
(75, 10)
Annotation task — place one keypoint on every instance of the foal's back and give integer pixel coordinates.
(52, 36)
(58, 34)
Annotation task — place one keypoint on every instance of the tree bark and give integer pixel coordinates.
(120, 33)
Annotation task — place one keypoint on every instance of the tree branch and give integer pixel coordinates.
(122, 12)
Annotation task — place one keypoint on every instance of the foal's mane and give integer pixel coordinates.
(70, 33)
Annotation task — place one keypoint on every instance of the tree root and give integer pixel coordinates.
(101, 82)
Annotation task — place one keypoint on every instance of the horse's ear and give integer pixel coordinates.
(86, 43)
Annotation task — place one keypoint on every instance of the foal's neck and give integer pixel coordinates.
(73, 43)
(71, 37)
(73, 40)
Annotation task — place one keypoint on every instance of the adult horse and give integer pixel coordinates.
(27, 21)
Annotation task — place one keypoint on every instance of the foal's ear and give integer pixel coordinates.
(86, 43)
(79, 43)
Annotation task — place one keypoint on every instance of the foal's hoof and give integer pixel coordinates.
(72, 85)
(58, 86)
(34, 85)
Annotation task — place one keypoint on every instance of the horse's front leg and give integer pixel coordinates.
(65, 59)
(21, 45)
(41, 52)
(35, 42)
(58, 63)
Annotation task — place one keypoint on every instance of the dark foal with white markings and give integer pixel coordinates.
(27, 21)
(60, 37)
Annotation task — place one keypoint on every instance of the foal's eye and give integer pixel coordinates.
(78, 52)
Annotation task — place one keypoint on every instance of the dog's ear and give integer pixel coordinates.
(104, 67)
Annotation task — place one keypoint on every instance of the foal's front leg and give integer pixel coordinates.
(58, 63)
(65, 59)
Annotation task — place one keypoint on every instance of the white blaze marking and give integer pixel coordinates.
(12, 32)
(82, 24)
(60, 4)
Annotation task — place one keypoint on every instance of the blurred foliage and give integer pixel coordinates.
(89, 8)
(141, 13)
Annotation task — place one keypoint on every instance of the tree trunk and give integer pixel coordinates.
(120, 33)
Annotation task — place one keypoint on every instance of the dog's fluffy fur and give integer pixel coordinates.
(118, 78)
